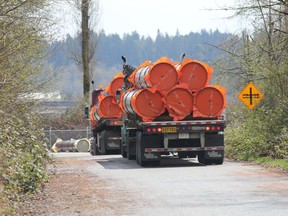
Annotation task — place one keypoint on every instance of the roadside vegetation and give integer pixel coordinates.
(23, 154)
(259, 55)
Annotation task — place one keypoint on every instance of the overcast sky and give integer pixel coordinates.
(147, 16)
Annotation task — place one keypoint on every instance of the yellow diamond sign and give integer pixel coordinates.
(250, 96)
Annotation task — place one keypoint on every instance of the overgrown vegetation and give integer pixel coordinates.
(260, 56)
(73, 118)
(23, 153)
(257, 133)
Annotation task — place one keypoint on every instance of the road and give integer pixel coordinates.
(178, 187)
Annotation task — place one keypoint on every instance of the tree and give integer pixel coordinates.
(23, 37)
(260, 55)
(89, 19)
(85, 46)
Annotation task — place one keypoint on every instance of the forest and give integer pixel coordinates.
(31, 62)
(136, 48)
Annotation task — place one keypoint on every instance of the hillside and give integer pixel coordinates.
(136, 48)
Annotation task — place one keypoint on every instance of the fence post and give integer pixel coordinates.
(50, 135)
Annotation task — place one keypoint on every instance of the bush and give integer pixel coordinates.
(256, 133)
(24, 155)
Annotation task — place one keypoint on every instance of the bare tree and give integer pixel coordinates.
(85, 46)
(260, 53)
(88, 11)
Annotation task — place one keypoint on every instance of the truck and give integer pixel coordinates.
(148, 141)
(106, 132)
(189, 136)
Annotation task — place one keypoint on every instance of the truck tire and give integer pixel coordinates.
(205, 161)
(124, 154)
(123, 151)
(93, 150)
(202, 159)
(131, 144)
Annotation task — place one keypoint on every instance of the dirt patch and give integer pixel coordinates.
(73, 190)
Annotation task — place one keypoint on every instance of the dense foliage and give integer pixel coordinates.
(22, 151)
(260, 56)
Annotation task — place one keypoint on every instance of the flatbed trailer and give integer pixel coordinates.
(201, 138)
(107, 137)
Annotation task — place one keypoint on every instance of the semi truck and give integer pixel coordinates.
(106, 121)
(106, 137)
(192, 123)
(190, 138)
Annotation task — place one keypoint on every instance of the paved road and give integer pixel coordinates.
(184, 187)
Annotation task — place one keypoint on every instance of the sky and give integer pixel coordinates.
(148, 16)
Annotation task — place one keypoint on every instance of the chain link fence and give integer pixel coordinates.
(53, 135)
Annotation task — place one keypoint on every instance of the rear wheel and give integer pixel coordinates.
(123, 150)
(94, 150)
(205, 161)
(202, 159)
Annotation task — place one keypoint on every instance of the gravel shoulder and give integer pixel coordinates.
(72, 190)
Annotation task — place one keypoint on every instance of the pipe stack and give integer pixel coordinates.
(179, 89)
(182, 89)
(107, 107)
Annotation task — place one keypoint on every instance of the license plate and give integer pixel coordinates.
(169, 130)
(184, 136)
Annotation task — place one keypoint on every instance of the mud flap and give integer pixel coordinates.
(131, 144)
(148, 141)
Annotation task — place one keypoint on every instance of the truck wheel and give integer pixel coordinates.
(123, 151)
(124, 154)
(202, 159)
(93, 150)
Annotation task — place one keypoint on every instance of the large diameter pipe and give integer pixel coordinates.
(79, 145)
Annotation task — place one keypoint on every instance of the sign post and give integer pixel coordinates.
(250, 96)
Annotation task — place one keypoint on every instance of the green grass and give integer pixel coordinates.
(270, 162)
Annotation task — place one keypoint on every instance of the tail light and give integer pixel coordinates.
(154, 130)
(212, 128)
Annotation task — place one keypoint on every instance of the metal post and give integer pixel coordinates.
(87, 132)
(50, 135)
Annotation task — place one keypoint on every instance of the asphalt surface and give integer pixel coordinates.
(185, 187)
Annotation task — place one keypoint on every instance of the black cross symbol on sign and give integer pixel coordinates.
(250, 96)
